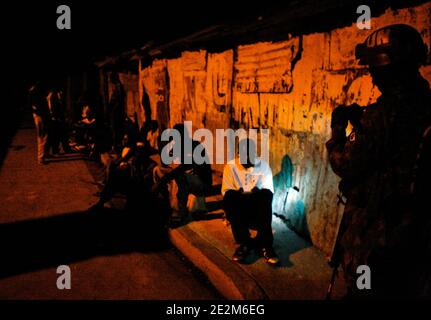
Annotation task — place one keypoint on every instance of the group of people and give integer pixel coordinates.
(52, 129)
(384, 164)
(247, 187)
(49, 118)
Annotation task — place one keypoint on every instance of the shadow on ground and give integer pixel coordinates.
(49, 242)
(289, 246)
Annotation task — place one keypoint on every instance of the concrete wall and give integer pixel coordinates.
(290, 87)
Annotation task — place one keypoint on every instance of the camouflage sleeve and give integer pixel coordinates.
(353, 156)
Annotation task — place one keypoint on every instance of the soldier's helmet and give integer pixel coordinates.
(393, 44)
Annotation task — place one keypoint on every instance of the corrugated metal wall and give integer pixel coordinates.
(290, 87)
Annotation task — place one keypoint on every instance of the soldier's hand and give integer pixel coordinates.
(354, 114)
(340, 117)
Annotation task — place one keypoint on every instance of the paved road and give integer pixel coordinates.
(44, 224)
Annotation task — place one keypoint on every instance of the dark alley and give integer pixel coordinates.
(45, 224)
(238, 154)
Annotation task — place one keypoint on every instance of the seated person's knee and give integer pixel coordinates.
(264, 195)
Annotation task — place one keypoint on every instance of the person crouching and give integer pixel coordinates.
(247, 190)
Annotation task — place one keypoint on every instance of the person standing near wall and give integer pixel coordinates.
(39, 107)
(58, 129)
(117, 111)
(385, 169)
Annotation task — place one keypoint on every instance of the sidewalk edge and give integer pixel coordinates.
(228, 278)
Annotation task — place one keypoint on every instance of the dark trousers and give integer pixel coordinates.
(247, 211)
(85, 133)
(58, 135)
(189, 183)
(118, 180)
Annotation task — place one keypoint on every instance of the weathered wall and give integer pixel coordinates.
(290, 87)
(153, 82)
(131, 86)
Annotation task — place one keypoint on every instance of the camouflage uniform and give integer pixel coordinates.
(383, 222)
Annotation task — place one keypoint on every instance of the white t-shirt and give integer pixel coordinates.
(235, 176)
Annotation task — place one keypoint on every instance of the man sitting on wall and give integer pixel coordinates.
(130, 173)
(191, 178)
(247, 190)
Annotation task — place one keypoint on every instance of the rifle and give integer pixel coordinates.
(335, 259)
(339, 119)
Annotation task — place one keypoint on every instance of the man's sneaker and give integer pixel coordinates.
(241, 253)
(270, 256)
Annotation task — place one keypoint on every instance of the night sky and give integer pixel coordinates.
(35, 47)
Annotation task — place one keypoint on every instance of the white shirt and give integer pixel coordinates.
(235, 176)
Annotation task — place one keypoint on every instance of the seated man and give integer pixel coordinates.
(85, 128)
(191, 179)
(247, 191)
(127, 173)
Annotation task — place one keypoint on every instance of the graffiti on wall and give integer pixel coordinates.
(290, 87)
(154, 80)
(267, 67)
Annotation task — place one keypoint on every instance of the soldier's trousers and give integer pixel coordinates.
(247, 211)
(42, 137)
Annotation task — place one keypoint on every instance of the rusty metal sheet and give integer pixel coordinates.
(266, 67)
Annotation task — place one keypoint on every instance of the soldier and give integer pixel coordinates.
(383, 169)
